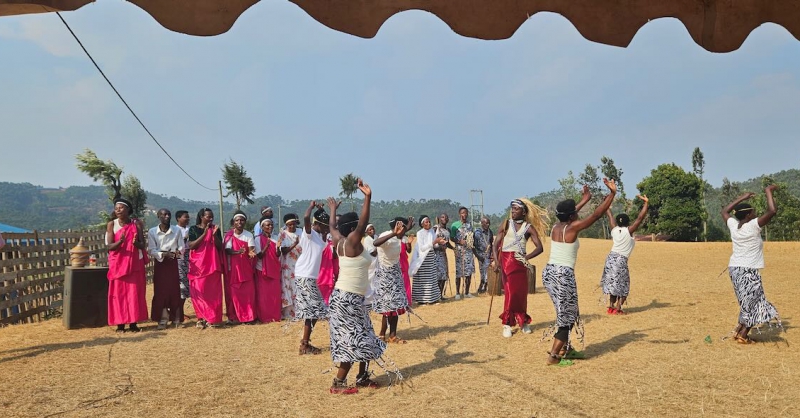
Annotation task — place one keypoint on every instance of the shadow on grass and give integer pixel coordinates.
(654, 304)
(614, 343)
(426, 331)
(33, 351)
(442, 358)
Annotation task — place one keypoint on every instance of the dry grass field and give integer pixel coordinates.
(653, 362)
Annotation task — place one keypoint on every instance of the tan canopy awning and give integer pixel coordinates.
(716, 25)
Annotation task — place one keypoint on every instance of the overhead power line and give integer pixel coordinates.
(126, 104)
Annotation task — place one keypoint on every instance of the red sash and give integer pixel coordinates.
(270, 264)
(205, 259)
(240, 266)
(125, 259)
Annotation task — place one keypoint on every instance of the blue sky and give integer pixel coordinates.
(418, 111)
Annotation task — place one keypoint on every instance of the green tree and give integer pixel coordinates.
(729, 191)
(133, 191)
(106, 172)
(569, 187)
(612, 172)
(699, 168)
(784, 226)
(591, 178)
(349, 184)
(675, 207)
(238, 183)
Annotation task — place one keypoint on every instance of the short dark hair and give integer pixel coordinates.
(180, 213)
(623, 219)
(347, 223)
(741, 210)
(200, 214)
(565, 209)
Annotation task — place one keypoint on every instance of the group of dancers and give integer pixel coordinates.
(341, 271)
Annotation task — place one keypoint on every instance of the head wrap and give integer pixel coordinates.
(264, 209)
(322, 217)
(422, 219)
(290, 217)
(347, 223)
(125, 202)
(240, 215)
(368, 225)
(536, 216)
(263, 221)
(394, 222)
(565, 207)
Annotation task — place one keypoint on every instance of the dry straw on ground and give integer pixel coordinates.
(652, 362)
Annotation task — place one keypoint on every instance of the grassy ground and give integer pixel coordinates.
(653, 362)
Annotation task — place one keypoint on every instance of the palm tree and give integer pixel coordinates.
(349, 185)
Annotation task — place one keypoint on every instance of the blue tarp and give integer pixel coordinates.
(9, 228)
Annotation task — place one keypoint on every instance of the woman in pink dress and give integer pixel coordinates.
(240, 289)
(127, 283)
(268, 275)
(205, 269)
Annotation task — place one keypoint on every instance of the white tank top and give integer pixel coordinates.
(564, 253)
(623, 241)
(353, 271)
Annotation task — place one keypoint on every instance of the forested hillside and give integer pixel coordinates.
(34, 207)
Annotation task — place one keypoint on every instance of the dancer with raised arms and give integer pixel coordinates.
(746, 261)
(309, 304)
(616, 280)
(559, 274)
(352, 337)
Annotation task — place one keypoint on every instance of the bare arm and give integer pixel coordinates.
(355, 237)
(113, 246)
(726, 211)
(307, 218)
(585, 197)
(399, 229)
(536, 241)
(586, 222)
(335, 234)
(771, 208)
(611, 221)
(642, 214)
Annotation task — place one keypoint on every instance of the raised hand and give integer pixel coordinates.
(399, 228)
(333, 204)
(410, 222)
(612, 186)
(643, 197)
(364, 187)
(771, 188)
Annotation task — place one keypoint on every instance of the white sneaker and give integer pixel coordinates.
(458, 296)
(526, 329)
(469, 295)
(507, 331)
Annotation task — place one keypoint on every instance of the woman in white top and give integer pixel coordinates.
(391, 300)
(746, 260)
(616, 280)
(308, 302)
(352, 337)
(558, 275)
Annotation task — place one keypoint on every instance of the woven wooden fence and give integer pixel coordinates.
(32, 271)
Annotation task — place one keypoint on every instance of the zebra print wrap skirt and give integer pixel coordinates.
(754, 309)
(352, 337)
(308, 303)
(560, 284)
(390, 291)
(616, 279)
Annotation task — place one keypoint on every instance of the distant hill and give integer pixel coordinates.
(37, 208)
